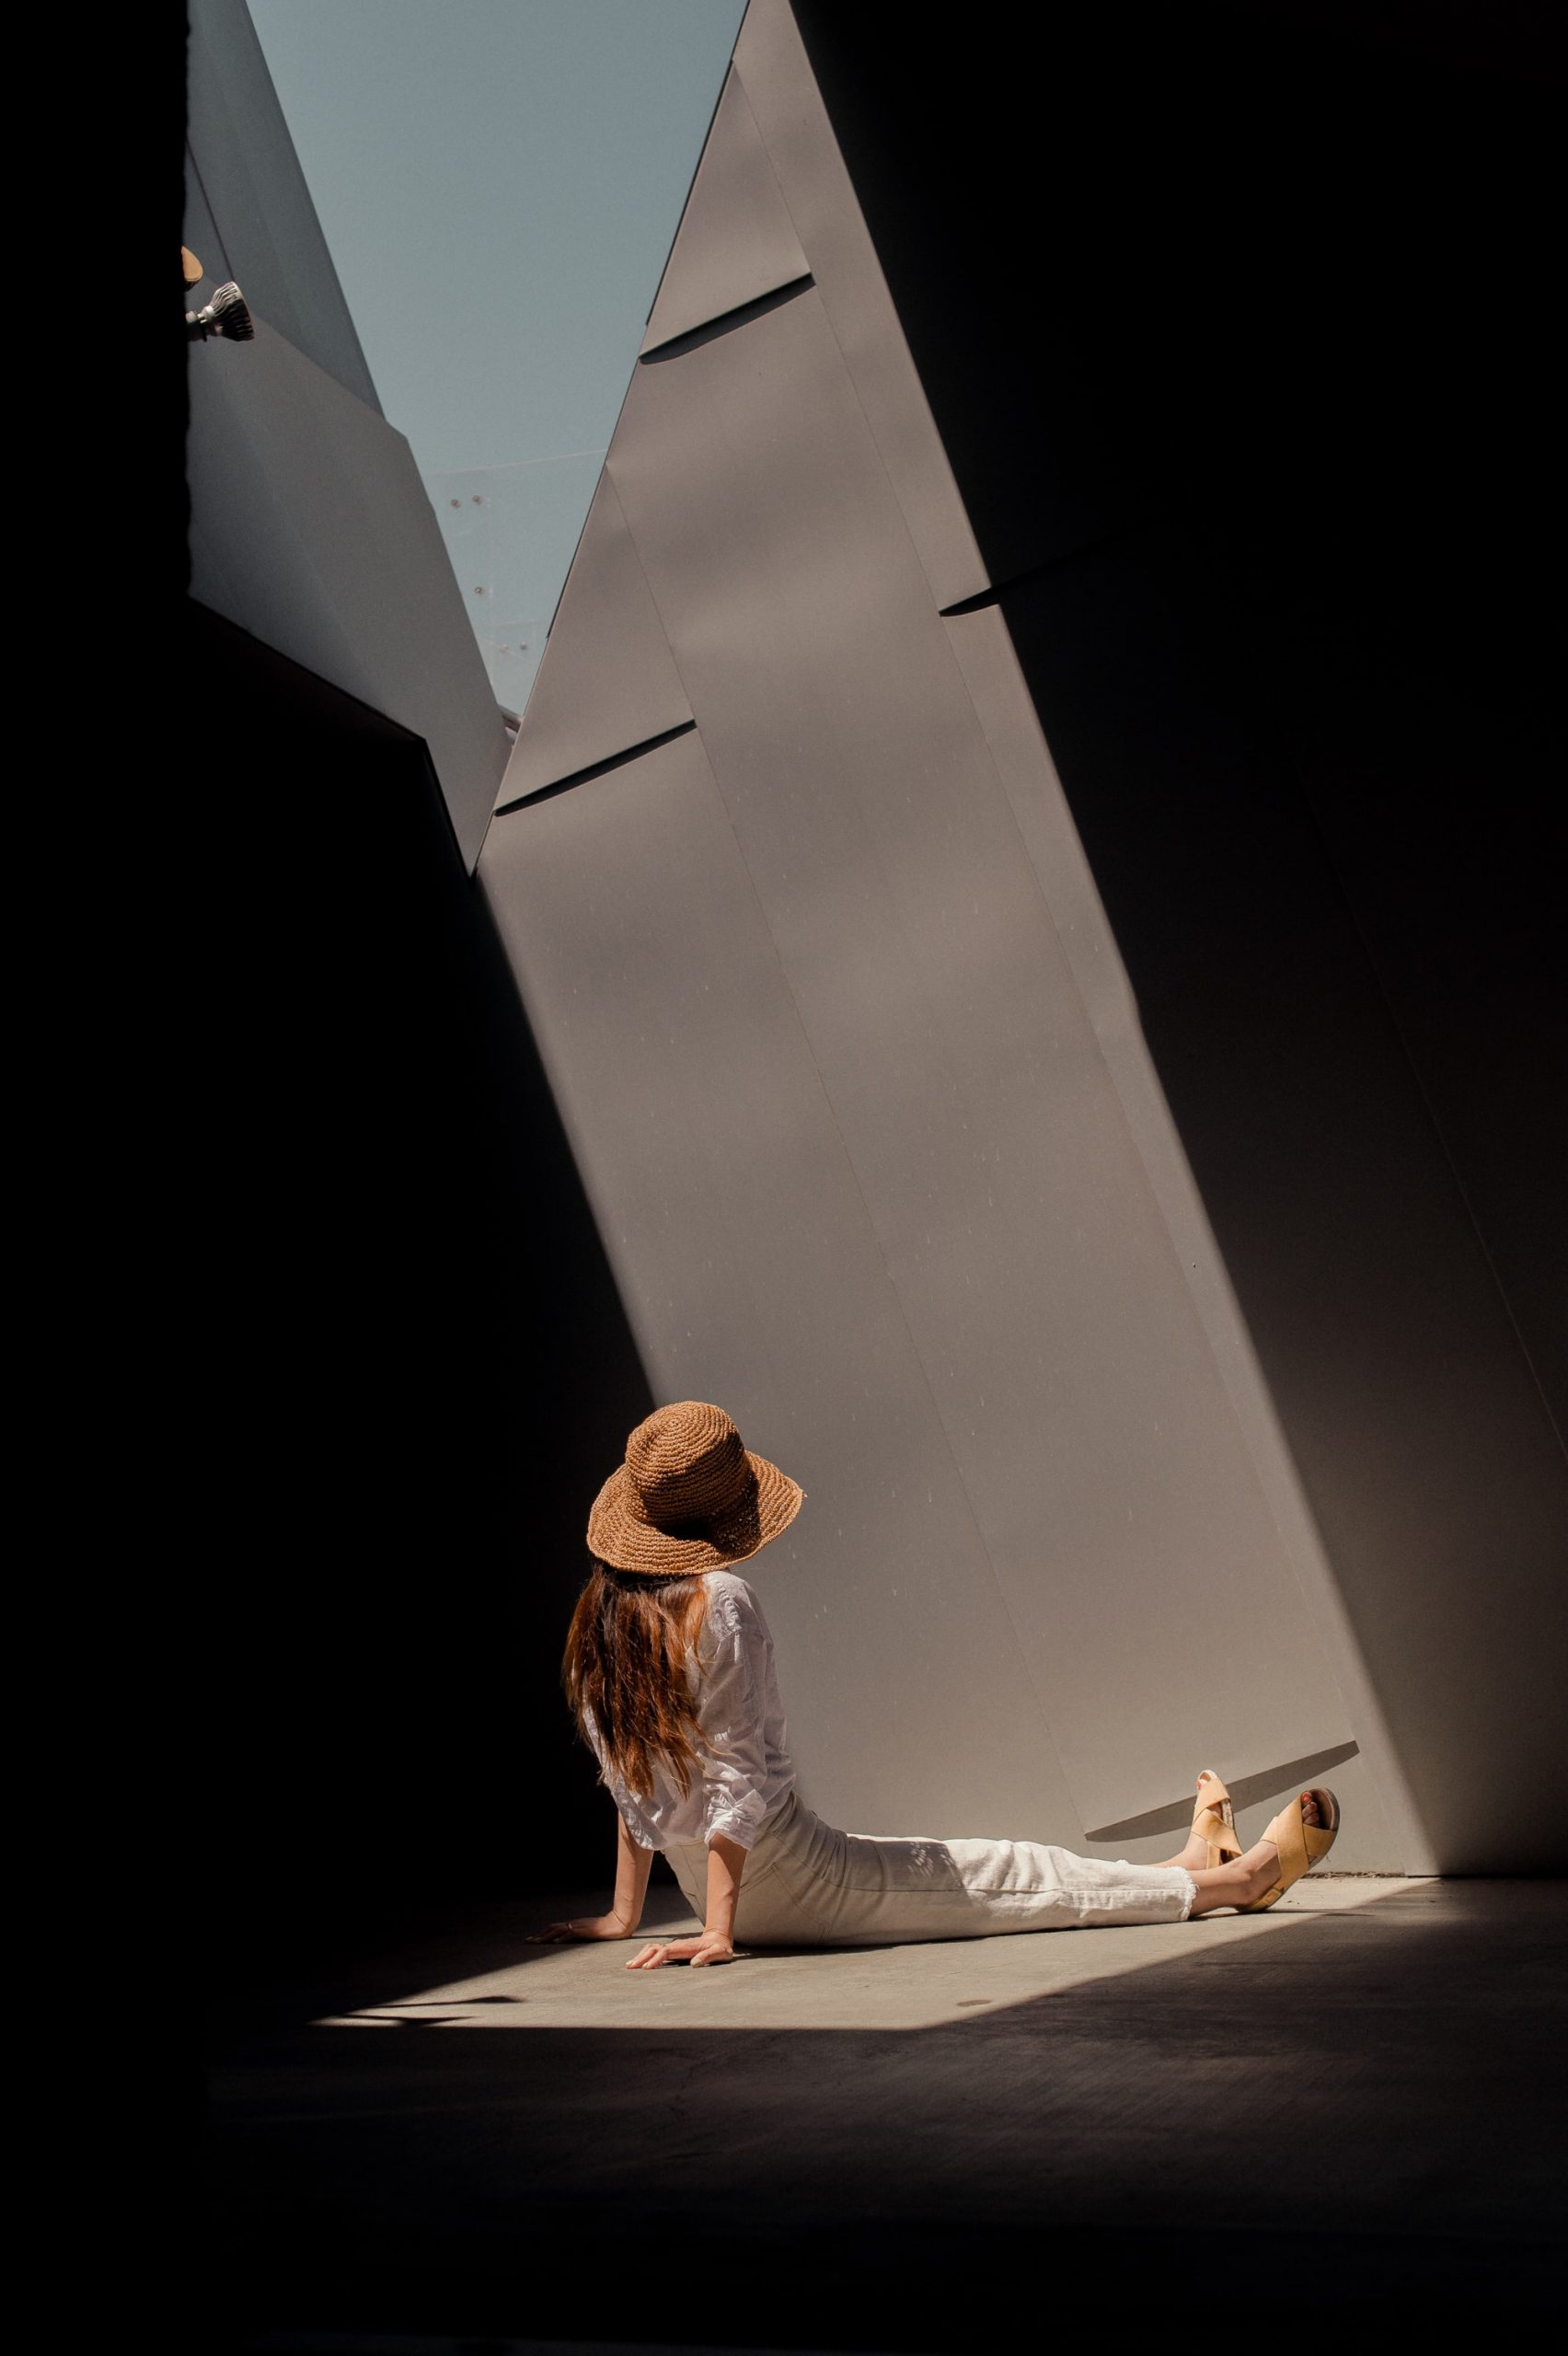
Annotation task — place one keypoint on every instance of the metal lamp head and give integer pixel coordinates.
(228, 314)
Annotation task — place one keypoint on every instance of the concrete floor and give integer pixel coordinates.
(1343, 2117)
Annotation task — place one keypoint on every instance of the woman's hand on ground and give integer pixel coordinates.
(709, 1948)
(581, 1926)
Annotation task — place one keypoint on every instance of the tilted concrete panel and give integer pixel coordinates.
(736, 240)
(1296, 711)
(310, 528)
(1076, 1386)
(1381, 1820)
(752, 1273)
(863, 1103)
(607, 680)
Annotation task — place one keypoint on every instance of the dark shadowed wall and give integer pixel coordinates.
(1236, 328)
(309, 525)
(410, 1368)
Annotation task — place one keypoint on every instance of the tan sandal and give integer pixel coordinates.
(1300, 1845)
(1213, 1821)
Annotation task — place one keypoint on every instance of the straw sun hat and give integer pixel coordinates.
(690, 1496)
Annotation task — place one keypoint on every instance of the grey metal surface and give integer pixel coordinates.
(772, 65)
(752, 1273)
(1302, 713)
(311, 529)
(862, 1102)
(1119, 1506)
(609, 680)
(1380, 1820)
(251, 186)
(736, 240)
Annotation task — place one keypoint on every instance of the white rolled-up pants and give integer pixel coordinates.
(806, 1886)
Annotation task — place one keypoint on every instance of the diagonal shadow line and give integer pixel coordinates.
(1178, 1814)
(1103, 536)
(595, 768)
(726, 322)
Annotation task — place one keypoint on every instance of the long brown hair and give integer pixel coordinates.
(626, 1651)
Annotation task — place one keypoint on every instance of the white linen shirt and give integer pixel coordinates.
(744, 1756)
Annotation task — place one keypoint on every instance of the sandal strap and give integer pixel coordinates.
(1289, 1836)
(1210, 1826)
(1300, 1845)
(1212, 1818)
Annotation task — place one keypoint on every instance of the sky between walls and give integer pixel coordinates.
(499, 183)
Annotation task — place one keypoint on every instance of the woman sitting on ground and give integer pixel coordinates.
(669, 1671)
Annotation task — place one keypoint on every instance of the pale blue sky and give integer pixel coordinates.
(499, 182)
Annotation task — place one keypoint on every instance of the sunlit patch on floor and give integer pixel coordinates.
(848, 1988)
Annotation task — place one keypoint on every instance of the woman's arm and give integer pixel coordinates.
(726, 1863)
(633, 1865)
(734, 1770)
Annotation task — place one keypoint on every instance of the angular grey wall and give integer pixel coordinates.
(1237, 334)
(309, 525)
(250, 214)
(847, 1058)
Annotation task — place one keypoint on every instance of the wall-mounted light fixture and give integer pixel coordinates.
(228, 314)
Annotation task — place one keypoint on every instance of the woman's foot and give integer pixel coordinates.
(1246, 1877)
(1212, 1839)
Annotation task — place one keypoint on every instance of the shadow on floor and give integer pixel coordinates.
(1351, 2130)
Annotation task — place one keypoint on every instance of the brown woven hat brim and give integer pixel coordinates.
(622, 1535)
